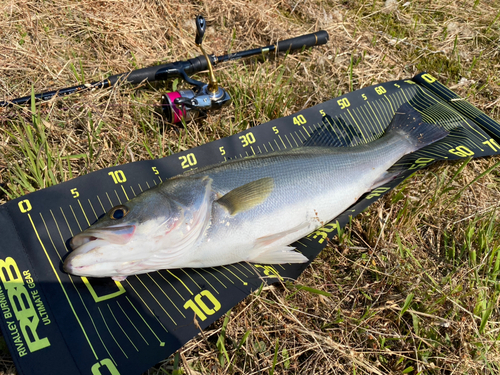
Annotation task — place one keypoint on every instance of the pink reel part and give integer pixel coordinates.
(172, 112)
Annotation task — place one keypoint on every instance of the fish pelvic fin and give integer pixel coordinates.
(271, 250)
(279, 255)
(247, 196)
(408, 122)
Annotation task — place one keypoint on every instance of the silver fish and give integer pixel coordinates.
(244, 210)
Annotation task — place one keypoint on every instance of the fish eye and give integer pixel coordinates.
(119, 212)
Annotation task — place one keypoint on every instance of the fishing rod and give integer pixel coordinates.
(185, 104)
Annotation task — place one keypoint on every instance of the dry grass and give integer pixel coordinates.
(413, 286)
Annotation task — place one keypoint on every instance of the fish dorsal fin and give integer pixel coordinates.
(247, 196)
(333, 133)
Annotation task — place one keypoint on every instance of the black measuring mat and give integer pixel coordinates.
(75, 325)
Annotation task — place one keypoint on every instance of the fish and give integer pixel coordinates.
(245, 210)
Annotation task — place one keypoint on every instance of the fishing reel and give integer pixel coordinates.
(184, 104)
(189, 104)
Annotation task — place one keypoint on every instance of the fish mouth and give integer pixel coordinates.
(119, 235)
(91, 239)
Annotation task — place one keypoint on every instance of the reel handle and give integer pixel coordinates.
(201, 27)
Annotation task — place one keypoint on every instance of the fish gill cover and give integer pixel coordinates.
(78, 325)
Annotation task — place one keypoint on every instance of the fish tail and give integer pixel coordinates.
(409, 123)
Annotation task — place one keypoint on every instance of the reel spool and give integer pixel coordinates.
(190, 104)
(174, 113)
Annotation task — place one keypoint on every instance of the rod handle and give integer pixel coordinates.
(309, 40)
(162, 72)
(137, 76)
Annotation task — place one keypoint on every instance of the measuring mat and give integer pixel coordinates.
(75, 325)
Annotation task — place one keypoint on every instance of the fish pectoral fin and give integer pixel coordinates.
(279, 255)
(247, 196)
(119, 278)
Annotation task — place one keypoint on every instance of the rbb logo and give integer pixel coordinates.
(21, 304)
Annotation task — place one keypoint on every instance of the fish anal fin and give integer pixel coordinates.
(385, 178)
(247, 196)
(279, 255)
